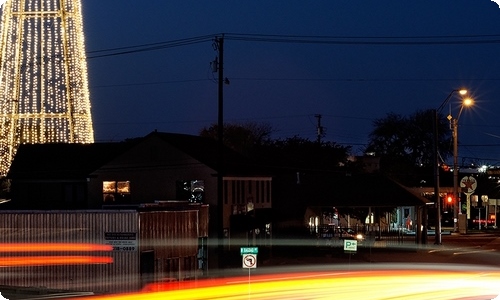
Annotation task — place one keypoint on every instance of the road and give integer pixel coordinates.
(458, 252)
(473, 248)
(370, 283)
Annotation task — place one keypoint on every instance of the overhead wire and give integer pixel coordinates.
(309, 39)
(301, 39)
(148, 47)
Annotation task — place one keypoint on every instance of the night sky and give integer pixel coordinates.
(287, 61)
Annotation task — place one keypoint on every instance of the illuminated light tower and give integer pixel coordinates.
(44, 95)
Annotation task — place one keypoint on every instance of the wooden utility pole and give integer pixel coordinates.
(319, 128)
(219, 44)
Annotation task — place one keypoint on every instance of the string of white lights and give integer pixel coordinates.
(44, 96)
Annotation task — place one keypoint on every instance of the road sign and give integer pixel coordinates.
(249, 261)
(249, 250)
(350, 246)
(469, 184)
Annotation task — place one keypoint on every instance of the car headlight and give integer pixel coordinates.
(359, 236)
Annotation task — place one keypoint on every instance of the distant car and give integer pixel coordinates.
(348, 233)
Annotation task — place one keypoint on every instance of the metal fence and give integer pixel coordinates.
(372, 236)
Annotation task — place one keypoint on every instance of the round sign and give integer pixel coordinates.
(468, 184)
(249, 261)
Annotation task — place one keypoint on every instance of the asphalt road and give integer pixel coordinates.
(474, 248)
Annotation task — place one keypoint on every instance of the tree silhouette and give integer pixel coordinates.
(405, 143)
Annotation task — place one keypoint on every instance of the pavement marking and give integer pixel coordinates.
(452, 249)
(472, 252)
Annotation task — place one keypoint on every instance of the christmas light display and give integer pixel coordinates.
(44, 95)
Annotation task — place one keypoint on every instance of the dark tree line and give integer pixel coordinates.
(405, 143)
(254, 140)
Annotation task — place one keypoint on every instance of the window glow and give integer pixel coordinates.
(116, 191)
(123, 187)
(109, 187)
(44, 95)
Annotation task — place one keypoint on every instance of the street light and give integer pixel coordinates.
(454, 125)
(438, 239)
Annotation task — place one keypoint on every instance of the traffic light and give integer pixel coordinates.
(449, 198)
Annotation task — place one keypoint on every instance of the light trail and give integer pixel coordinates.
(32, 261)
(379, 284)
(37, 254)
(40, 247)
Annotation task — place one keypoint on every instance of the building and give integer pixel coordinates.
(159, 167)
(66, 249)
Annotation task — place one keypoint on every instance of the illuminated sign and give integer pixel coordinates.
(350, 246)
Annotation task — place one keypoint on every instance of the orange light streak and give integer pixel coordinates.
(52, 247)
(28, 261)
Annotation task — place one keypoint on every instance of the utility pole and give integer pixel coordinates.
(219, 64)
(319, 128)
(435, 158)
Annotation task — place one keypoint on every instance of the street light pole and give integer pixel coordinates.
(437, 199)
(454, 124)
(438, 237)
(456, 195)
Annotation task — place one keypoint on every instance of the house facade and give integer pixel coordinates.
(158, 168)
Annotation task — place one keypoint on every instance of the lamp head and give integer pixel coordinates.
(462, 92)
(468, 102)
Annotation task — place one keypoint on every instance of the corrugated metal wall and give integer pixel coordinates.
(70, 227)
(172, 235)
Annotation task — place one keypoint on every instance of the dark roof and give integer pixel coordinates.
(368, 190)
(206, 150)
(62, 160)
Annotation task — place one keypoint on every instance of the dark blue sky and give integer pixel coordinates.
(388, 56)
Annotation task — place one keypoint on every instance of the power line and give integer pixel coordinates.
(365, 37)
(359, 79)
(149, 83)
(297, 79)
(380, 40)
(148, 47)
(304, 39)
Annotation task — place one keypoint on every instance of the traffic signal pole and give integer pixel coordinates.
(437, 199)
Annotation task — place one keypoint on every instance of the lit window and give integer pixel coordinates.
(123, 187)
(192, 190)
(116, 191)
(109, 187)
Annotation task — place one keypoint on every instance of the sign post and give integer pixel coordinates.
(468, 185)
(249, 260)
(249, 257)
